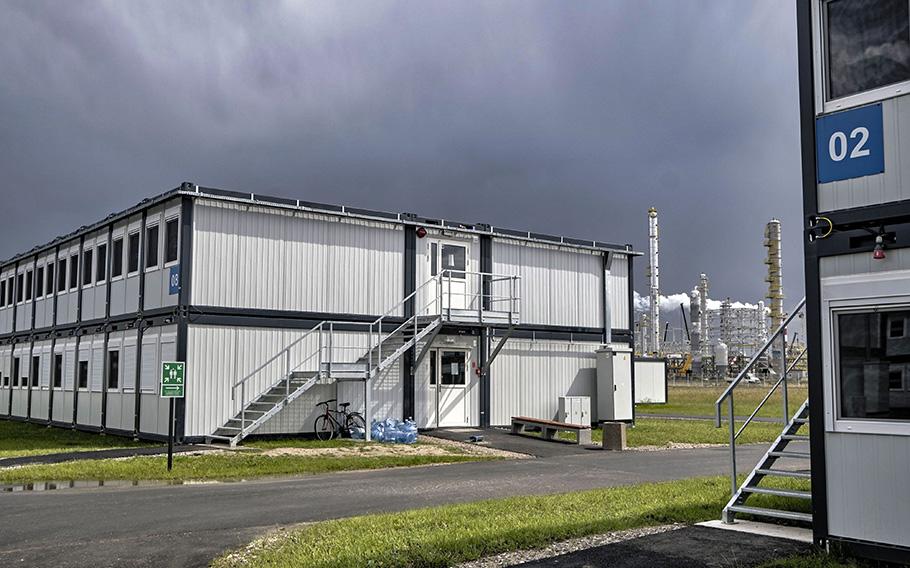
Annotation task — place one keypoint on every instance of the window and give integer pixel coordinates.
(49, 288)
(867, 357)
(61, 275)
(6, 381)
(101, 264)
(83, 374)
(113, 369)
(895, 328)
(433, 369)
(171, 234)
(151, 247)
(453, 258)
(132, 264)
(39, 282)
(434, 260)
(58, 370)
(868, 45)
(86, 267)
(2, 293)
(453, 368)
(117, 258)
(9, 292)
(20, 285)
(74, 271)
(36, 370)
(15, 371)
(28, 285)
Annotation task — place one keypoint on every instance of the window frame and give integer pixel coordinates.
(39, 282)
(175, 219)
(148, 241)
(129, 241)
(50, 270)
(109, 363)
(101, 263)
(29, 285)
(79, 366)
(10, 290)
(34, 372)
(3, 292)
(20, 287)
(57, 373)
(62, 263)
(824, 104)
(74, 265)
(87, 277)
(17, 367)
(115, 258)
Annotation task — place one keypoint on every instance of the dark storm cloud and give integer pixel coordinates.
(567, 118)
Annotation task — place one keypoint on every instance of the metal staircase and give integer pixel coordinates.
(386, 339)
(787, 457)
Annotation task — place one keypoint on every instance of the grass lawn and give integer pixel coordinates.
(447, 535)
(319, 458)
(699, 401)
(21, 439)
(818, 560)
(661, 432)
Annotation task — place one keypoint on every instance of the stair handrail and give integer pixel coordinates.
(727, 395)
(286, 351)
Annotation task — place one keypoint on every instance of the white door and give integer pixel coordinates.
(449, 387)
(450, 261)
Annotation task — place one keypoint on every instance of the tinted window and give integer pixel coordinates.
(86, 267)
(20, 284)
(2, 293)
(117, 258)
(61, 275)
(872, 365)
(132, 264)
(83, 374)
(15, 371)
(28, 285)
(9, 292)
(49, 288)
(453, 367)
(868, 45)
(36, 368)
(151, 247)
(39, 282)
(171, 231)
(58, 370)
(113, 369)
(101, 264)
(74, 271)
(434, 260)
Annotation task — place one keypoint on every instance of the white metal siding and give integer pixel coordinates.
(257, 257)
(528, 377)
(5, 378)
(559, 285)
(220, 356)
(880, 188)
(618, 291)
(158, 344)
(6, 312)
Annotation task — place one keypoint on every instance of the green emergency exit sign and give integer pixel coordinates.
(173, 379)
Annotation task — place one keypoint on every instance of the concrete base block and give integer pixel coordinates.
(614, 435)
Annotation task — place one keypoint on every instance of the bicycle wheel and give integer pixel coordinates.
(355, 420)
(324, 427)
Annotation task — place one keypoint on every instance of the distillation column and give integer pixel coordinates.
(774, 279)
(654, 284)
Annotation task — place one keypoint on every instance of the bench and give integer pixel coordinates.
(549, 428)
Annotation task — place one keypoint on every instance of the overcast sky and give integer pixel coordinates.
(559, 117)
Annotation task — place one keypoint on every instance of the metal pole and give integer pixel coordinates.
(287, 374)
(242, 405)
(170, 437)
(732, 447)
(480, 296)
(783, 366)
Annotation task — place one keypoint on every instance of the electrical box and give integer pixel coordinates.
(614, 383)
(575, 410)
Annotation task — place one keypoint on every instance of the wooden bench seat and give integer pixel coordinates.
(549, 428)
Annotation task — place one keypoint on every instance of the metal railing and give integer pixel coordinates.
(434, 306)
(781, 383)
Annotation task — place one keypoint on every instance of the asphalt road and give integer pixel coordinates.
(189, 525)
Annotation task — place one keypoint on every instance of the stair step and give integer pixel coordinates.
(784, 473)
(795, 437)
(775, 513)
(795, 494)
(792, 455)
(229, 429)
(800, 420)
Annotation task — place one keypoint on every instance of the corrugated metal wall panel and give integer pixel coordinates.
(5, 378)
(221, 356)
(618, 291)
(880, 188)
(559, 285)
(528, 377)
(256, 257)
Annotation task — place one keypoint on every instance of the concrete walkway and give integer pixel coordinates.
(502, 439)
(689, 547)
(189, 525)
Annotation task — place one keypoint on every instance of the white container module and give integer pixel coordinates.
(650, 381)
(575, 410)
(614, 383)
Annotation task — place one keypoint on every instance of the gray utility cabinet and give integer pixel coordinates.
(614, 383)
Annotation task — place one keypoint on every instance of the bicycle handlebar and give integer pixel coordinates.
(326, 402)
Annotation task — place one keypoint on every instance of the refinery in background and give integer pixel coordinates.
(705, 339)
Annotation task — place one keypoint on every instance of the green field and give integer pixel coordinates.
(20, 439)
(447, 535)
(699, 401)
(659, 432)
